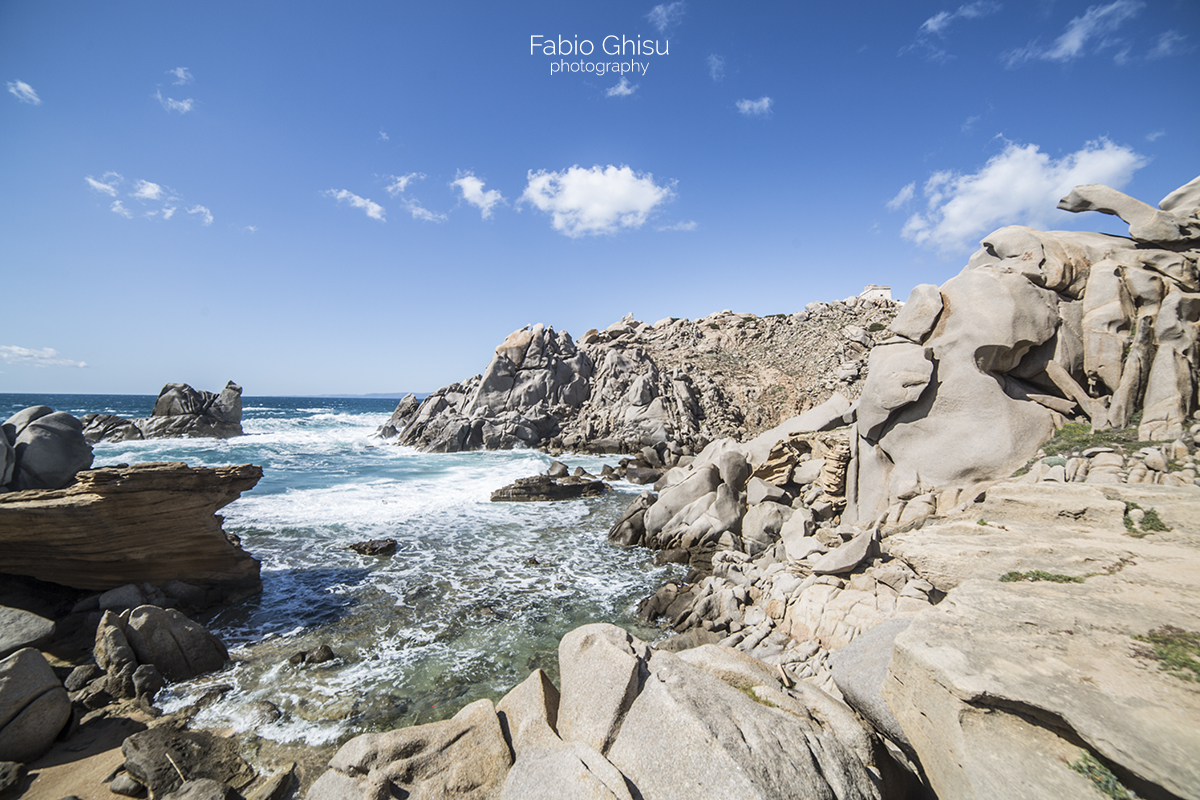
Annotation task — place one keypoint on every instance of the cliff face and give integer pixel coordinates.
(675, 385)
(149, 523)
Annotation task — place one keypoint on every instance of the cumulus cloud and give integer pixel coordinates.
(1168, 45)
(118, 208)
(107, 184)
(755, 108)
(600, 200)
(1021, 185)
(42, 357)
(145, 190)
(1093, 24)
(182, 76)
(372, 209)
(472, 191)
(666, 15)
(205, 215)
(24, 92)
(622, 89)
(902, 197)
(171, 104)
(400, 182)
(716, 66)
(168, 212)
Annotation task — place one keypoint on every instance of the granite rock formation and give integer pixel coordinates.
(42, 449)
(149, 523)
(673, 386)
(179, 411)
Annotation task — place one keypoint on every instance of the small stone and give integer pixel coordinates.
(124, 784)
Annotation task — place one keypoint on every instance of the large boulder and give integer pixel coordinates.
(48, 449)
(180, 648)
(34, 706)
(20, 629)
(464, 757)
(179, 411)
(156, 757)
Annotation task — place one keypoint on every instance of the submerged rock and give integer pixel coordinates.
(544, 487)
(375, 547)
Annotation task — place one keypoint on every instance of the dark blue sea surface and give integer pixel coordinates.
(477, 594)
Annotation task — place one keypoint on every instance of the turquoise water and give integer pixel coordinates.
(477, 594)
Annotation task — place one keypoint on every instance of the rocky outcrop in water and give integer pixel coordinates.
(149, 523)
(179, 411)
(673, 386)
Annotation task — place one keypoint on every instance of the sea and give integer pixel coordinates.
(476, 596)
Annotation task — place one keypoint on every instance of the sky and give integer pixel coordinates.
(322, 198)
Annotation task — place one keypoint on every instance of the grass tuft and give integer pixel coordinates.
(1176, 650)
(1101, 776)
(1039, 575)
(1152, 522)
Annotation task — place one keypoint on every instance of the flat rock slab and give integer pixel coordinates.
(543, 488)
(859, 670)
(848, 556)
(19, 628)
(998, 685)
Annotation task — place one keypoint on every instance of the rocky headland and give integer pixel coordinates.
(945, 548)
(179, 411)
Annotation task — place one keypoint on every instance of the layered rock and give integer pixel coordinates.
(179, 411)
(673, 386)
(149, 523)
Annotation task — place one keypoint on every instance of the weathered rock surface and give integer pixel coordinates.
(673, 386)
(179, 411)
(33, 706)
(466, 756)
(1023, 673)
(152, 523)
(20, 629)
(545, 488)
(42, 449)
(197, 754)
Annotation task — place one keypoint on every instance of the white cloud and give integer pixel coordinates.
(666, 15)
(171, 104)
(400, 182)
(168, 212)
(106, 185)
(383, 137)
(251, 229)
(44, 357)
(419, 212)
(182, 76)
(1168, 45)
(1021, 185)
(373, 210)
(1155, 136)
(716, 67)
(24, 92)
(584, 202)
(1095, 22)
(622, 89)
(204, 213)
(902, 197)
(969, 124)
(117, 208)
(472, 191)
(690, 225)
(755, 108)
(939, 22)
(145, 190)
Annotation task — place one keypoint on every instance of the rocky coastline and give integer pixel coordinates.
(954, 554)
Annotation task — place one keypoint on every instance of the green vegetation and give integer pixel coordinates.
(1101, 776)
(762, 701)
(1176, 650)
(1039, 575)
(875, 326)
(1151, 521)
(1079, 436)
(714, 326)
(981, 521)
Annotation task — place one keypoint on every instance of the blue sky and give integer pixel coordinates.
(315, 198)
